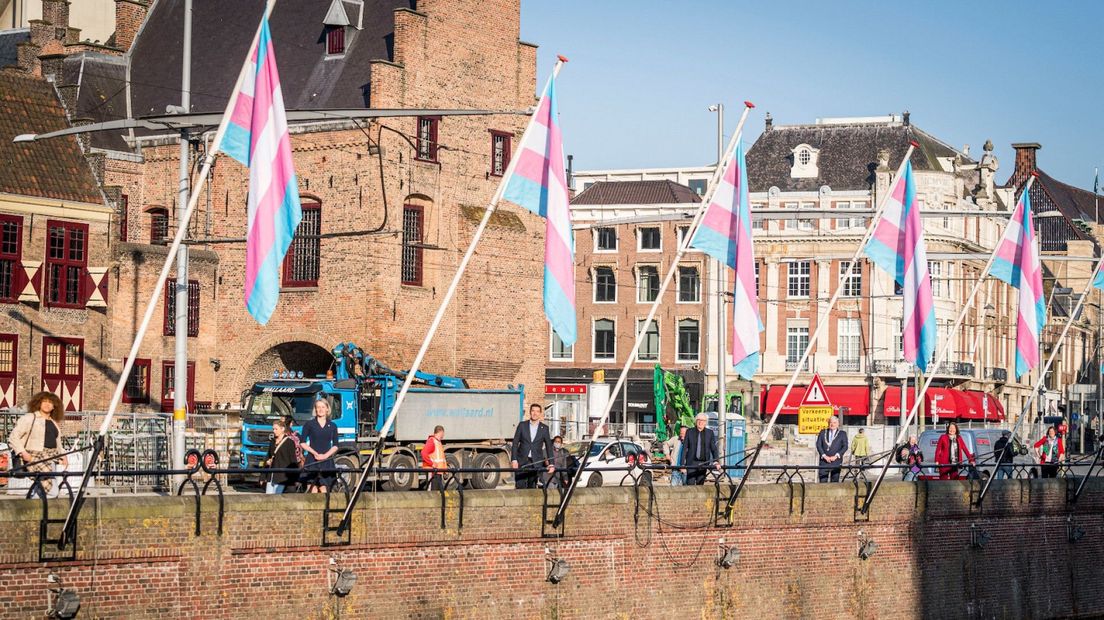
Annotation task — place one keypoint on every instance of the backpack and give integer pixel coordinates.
(298, 448)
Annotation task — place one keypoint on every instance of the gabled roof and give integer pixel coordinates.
(1075, 202)
(1076, 207)
(48, 169)
(848, 154)
(635, 193)
(9, 45)
(99, 82)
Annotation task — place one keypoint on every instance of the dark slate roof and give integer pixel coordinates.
(48, 169)
(635, 193)
(1075, 202)
(848, 154)
(99, 81)
(9, 45)
(222, 36)
(1076, 206)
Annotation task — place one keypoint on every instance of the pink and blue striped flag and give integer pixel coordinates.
(1017, 263)
(257, 136)
(1098, 282)
(897, 246)
(537, 182)
(725, 234)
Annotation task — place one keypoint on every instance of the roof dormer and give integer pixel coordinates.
(804, 162)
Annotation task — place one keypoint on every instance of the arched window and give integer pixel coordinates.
(159, 225)
(301, 265)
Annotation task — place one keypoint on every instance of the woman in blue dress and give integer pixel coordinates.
(319, 439)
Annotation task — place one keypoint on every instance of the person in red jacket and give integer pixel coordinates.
(433, 458)
(951, 451)
(1050, 450)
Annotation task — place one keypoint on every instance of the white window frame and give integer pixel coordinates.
(756, 223)
(795, 330)
(844, 279)
(639, 281)
(678, 285)
(594, 340)
(640, 239)
(806, 225)
(678, 340)
(616, 240)
(594, 292)
(808, 275)
(659, 341)
(898, 339)
(552, 337)
(854, 332)
(790, 222)
(935, 272)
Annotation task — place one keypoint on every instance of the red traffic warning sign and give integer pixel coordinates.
(815, 394)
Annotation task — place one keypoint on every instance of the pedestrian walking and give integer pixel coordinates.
(1003, 449)
(531, 450)
(951, 452)
(433, 458)
(283, 457)
(699, 447)
(320, 439)
(1050, 450)
(831, 445)
(36, 438)
(678, 475)
(913, 458)
(860, 448)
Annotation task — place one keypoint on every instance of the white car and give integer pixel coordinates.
(609, 462)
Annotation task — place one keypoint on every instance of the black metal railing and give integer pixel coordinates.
(1000, 375)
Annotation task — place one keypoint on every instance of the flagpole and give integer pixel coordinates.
(155, 295)
(939, 358)
(1050, 360)
(822, 320)
(410, 375)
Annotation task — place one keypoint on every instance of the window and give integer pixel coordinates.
(790, 223)
(757, 289)
(898, 340)
(689, 340)
(689, 285)
(797, 340)
(66, 261)
(807, 225)
(11, 255)
(797, 278)
(63, 369)
(683, 231)
(159, 225)
(137, 390)
(335, 40)
(850, 344)
(756, 223)
(852, 285)
(649, 346)
(853, 221)
(168, 386)
(500, 152)
(935, 270)
(124, 216)
(698, 185)
(605, 285)
(411, 248)
(9, 362)
(303, 256)
(193, 308)
(647, 283)
(605, 239)
(648, 240)
(605, 340)
(804, 156)
(427, 137)
(561, 352)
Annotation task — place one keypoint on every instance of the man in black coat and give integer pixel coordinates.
(831, 445)
(531, 450)
(699, 449)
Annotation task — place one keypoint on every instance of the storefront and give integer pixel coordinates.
(632, 412)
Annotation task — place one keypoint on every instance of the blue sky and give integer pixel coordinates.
(642, 73)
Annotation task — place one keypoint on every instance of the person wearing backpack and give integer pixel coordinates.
(283, 457)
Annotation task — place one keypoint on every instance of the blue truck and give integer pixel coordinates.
(361, 392)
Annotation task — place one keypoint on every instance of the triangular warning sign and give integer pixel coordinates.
(815, 394)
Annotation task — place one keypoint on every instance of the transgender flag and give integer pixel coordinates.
(1098, 280)
(257, 136)
(725, 234)
(1017, 264)
(898, 247)
(538, 183)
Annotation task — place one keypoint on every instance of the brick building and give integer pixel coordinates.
(54, 256)
(389, 205)
(621, 266)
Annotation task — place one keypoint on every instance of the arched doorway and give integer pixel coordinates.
(295, 356)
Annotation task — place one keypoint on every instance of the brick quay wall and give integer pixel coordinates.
(139, 557)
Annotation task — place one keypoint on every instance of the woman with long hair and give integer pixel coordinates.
(36, 438)
(951, 452)
(1050, 450)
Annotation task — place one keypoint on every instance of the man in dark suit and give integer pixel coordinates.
(531, 450)
(699, 449)
(831, 445)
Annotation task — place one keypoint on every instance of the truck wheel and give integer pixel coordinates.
(453, 461)
(401, 480)
(485, 479)
(347, 461)
(595, 479)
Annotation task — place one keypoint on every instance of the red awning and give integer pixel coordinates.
(953, 404)
(854, 399)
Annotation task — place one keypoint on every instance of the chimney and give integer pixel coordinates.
(768, 123)
(57, 13)
(1025, 160)
(129, 15)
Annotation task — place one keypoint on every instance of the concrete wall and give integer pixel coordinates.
(138, 556)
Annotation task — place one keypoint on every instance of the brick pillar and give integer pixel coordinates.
(1025, 160)
(56, 12)
(129, 15)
